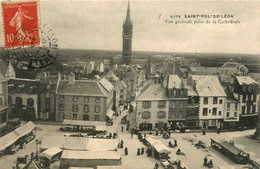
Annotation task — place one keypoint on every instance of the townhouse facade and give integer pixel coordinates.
(212, 98)
(23, 98)
(246, 90)
(75, 100)
(3, 103)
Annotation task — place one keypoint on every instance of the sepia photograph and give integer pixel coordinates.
(129, 84)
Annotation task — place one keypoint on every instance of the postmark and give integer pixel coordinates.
(31, 44)
(30, 56)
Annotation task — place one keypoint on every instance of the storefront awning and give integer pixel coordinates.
(110, 113)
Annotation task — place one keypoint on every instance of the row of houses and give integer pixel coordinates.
(201, 101)
(63, 97)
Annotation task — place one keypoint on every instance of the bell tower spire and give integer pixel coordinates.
(127, 37)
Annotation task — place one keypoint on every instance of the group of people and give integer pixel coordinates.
(171, 145)
(208, 164)
(140, 151)
(121, 144)
(114, 135)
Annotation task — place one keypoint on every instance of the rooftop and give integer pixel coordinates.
(153, 92)
(208, 86)
(245, 80)
(174, 82)
(82, 87)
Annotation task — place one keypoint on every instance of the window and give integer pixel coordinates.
(48, 86)
(227, 114)
(18, 101)
(213, 122)
(146, 115)
(161, 114)
(86, 99)
(161, 104)
(235, 114)
(172, 104)
(75, 99)
(244, 98)
(30, 102)
(97, 109)
(61, 107)
(9, 100)
(205, 111)
(97, 99)
(75, 108)
(215, 100)
(85, 117)
(47, 95)
(236, 106)
(47, 105)
(254, 97)
(61, 115)
(228, 106)
(146, 104)
(96, 117)
(248, 109)
(220, 101)
(61, 98)
(205, 101)
(219, 113)
(86, 108)
(214, 111)
(243, 109)
(74, 117)
(253, 109)
(249, 97)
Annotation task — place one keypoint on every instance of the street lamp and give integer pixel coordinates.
(37, 142)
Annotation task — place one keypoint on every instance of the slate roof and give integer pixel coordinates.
(231, 64)
(191, 92)
(245, 80)
(174, 82)
(106, 84)
(208, 86)
(2, 78)
(153, 92)
(82, 87)
(26, 84)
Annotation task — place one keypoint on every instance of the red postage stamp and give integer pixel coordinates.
(21, 25)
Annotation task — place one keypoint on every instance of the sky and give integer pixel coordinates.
(98, 25)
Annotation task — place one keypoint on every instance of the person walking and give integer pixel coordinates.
(156, 166)
(122, 129)
(210, 164)
(142, 151)
(122, 143)
(138, 151)
(205, 163)
(126, 151)
(175, 143)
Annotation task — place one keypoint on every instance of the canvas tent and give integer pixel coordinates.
(78, 143)
(158, 146)
(72, 158)
(51, 152)
(10, 138)
(101, 145)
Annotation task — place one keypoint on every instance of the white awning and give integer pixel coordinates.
(49, 153)
(110, 113)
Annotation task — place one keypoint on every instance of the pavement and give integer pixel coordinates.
(193, 158)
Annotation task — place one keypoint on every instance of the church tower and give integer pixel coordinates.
(127, 38)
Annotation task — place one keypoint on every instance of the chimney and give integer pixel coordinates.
(71, 78)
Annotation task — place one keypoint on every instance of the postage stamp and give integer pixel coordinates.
(20, 19)
(32, 44)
